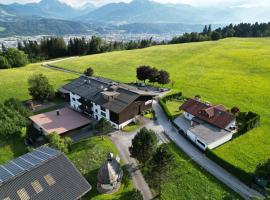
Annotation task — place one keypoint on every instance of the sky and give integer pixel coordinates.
(229, 3)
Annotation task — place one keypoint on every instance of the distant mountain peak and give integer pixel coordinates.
(140, 1)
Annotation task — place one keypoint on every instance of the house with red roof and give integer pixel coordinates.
(207, 125)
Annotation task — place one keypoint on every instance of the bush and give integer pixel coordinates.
(89, 72)
(236, 171)
(246, 121)
(103, 126)
(13, 118)
(62, 144)
(165, 109)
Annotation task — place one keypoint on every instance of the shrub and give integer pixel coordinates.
(89, 72)
(13, 118)
(247, 121)
(62, 144)
(103, 126)
(165, 109)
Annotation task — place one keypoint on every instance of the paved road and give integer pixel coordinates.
(122, 141)
(199, 157)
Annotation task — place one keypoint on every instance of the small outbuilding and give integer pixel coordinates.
(110, 175)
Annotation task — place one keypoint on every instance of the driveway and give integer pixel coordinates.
(122, 141)
(200, 158)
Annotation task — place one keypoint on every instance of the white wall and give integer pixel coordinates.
(221, 141)
(232, 124)
(194, 139)
(74, 103)
(97, 112)
(188, 116)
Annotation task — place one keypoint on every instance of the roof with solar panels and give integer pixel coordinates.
(44, 173)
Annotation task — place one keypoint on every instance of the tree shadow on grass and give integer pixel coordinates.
(17, 147)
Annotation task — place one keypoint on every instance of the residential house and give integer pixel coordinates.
(42, 174)
(103, 98)
(208, 126)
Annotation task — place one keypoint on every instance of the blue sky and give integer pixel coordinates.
(245, 3)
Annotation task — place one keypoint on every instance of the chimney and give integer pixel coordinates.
(57, 112)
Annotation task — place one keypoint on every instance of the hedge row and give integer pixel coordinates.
(249, 120)
(165, 109)
(236, 171)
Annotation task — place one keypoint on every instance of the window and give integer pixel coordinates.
(37, 187)
(201, 143)
(23, 194)
(49, 179)
(103, 114)
(102, 108)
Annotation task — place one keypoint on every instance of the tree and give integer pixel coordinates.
(103, 126)
(4, 63)
(164, 77)
(15, 57)
(154, 75)
(39, 87)
(143, 73)
(235, 110)
(215, 35)
(89, 72)
(161, 164)
(62, 144)
(143, 145)
(136, 195)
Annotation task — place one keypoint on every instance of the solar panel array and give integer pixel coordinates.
(26, 162)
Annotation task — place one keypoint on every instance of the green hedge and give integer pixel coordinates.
(236, 171)
(165, 109)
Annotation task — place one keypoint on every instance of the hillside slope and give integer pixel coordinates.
(234, 72)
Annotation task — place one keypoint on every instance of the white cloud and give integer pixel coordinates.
(231, 3)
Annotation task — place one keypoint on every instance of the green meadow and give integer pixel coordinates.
(234, 72)
(13, 82)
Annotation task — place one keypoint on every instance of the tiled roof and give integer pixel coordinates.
(41, 175)
(214, 115)
(94, 89)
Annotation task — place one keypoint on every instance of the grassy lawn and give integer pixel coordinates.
(10, 149)
(189, 181)
(234, 72)
(14, 81)
(131, 127)
(173, 107)
(88, 156)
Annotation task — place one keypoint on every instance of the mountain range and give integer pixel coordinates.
(55, 17)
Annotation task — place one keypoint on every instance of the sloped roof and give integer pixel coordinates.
(41, 175)
(94, 89)
(109, 172)
(214, 115)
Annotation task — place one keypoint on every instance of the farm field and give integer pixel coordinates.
(234, 72)
(13, 82)
(187, 175)
(88, 156)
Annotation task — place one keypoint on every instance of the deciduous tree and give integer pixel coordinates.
(39, 87)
